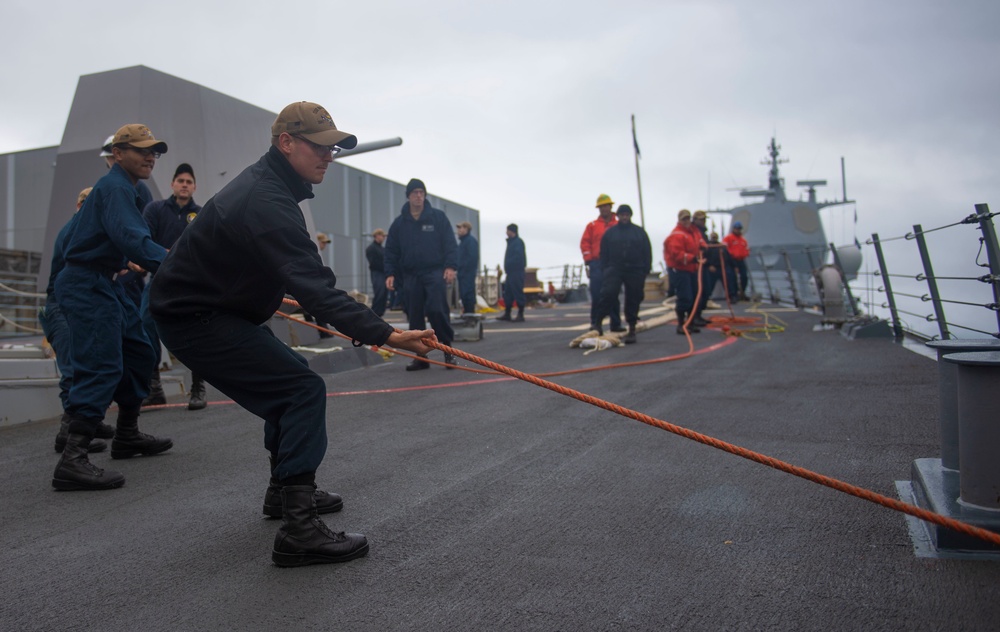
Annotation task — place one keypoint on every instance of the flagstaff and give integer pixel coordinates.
(638, 178)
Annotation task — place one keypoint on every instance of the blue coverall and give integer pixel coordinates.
(112, 358)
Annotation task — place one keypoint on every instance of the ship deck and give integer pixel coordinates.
(491, 503)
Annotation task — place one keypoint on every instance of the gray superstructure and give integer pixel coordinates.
(786, 235)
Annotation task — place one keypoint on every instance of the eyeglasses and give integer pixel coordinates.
(320, 150)
(145, 152)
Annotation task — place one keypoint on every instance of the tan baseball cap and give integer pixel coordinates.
(312, 122)
(700, 215)
(138, 135)
(684, 213)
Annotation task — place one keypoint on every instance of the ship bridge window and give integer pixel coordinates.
(806, 218)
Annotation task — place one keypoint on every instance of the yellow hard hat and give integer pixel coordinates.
(603, 199)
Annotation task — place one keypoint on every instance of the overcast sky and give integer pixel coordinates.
(522, 109)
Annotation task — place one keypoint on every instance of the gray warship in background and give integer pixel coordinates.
(790, 257)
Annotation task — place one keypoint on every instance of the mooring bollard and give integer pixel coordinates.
(978, 427)
(948, 393)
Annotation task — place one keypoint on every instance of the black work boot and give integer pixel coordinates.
(303, 538)
(698, 320)
(325, 501)
(95, 445)
(104, 431)
(630, 336)
(418, 365)
(197, 401)
(681, 317)
(450, 361)
(75, 472)
(520, 315)
(129, 442)
(156, 395)
(506, 315)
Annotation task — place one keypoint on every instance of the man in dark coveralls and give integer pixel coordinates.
(57, 332)
(226, 276)
(375, 253)
(626, 259)
(515, 260)
(167, 219)
(468, 266)
(421, 247)
(112, 358)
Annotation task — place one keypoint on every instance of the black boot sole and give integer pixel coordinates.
(275, 511)
(63, 485)
(131, 452)
(291, 560)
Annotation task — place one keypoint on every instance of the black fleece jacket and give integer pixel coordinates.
(247, 248)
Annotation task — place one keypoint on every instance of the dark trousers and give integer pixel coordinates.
(112, 358)
(686, 288)
(467, 290)
(149, 326)
(709, 278)
(263, 375)
(379, 293)
(57, 333)
(635, 290)
(737, 287)
(427, 298)
(596, 281)
(513, 290)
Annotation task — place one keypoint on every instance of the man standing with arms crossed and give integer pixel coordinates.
(226, 276)
(590, 246)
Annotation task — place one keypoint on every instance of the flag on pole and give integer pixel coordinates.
(635, 141)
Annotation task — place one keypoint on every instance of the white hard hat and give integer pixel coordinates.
(106, 147)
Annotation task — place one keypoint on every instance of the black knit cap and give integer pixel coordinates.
(624, 209)
(414, 184)
(184, 168)
(512, 228)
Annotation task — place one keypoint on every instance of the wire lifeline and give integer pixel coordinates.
(763, 459)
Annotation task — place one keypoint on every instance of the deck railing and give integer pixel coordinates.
(967, 284)
(948, 266)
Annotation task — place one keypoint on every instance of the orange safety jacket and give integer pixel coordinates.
(682, 247)
(590, 244)
(737, 246)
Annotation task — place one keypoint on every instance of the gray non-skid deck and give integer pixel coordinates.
(500, 505)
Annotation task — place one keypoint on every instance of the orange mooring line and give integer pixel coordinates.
(809, 475)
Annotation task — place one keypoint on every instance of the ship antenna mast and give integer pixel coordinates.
(774, 149)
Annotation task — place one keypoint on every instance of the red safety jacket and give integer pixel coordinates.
(590, 245)
(737, 246)
(681, 248)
